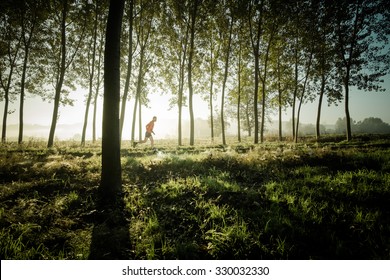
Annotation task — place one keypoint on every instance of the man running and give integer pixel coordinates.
(148, 133)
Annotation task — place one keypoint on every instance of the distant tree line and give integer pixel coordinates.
(368, 125)
(256, 56)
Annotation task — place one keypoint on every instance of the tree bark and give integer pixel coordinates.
(129, 67)
(190, 59)
(224, 82)
(60, 80)
(256, 54)
(111, 181)
(91, 76)
(318, 122)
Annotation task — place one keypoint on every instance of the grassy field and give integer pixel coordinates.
(276, 200)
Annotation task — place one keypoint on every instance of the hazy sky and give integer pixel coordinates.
(362, 105)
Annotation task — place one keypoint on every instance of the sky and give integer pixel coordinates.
(38, 112)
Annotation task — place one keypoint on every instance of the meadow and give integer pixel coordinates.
(276, 200)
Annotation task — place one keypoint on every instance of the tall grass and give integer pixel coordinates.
(325, 200)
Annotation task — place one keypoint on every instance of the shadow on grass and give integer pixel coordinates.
(110, 235)
(220, 208)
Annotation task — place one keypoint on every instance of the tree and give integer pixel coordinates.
(64, 51)
(111, 181)
(211, 53)
(31, 18)
(92, 35)
(281, 76)
(130, 53)
(11, 43)
(193, 12)
(362, 35)
(373, 125)
(145, 28)
(98, 81)
(255, 17)
(175, 27)
(271, 26)
(324, 64)
(227, 24)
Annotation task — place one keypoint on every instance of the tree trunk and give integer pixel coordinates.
(183, 54)
(303, 94)
(22, 93)
(91, 76)
(295, 92)
(137, 101)
(256, 55)
(239, 98)
(322, 90)
(139, 120)
(211, 112)
(134, 118)
(247, 117)
(280, 112)
(60, 80)
(224, 82)
(190, 58)
(5, 115)
(180, 96)
(347, 116)
(24, 71)
(6, 92)
(94, 116)
(211, 96)
(129, 67)
(98, 82)
(263, 87)
(111, 181)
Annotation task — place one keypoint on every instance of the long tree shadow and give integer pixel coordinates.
(110, 235)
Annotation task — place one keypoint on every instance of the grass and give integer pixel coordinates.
(276, 200)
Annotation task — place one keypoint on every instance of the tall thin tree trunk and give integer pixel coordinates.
(60, 80)
(295, 91)
(247, 117)
(22, 94)
(139, 119)
(318, 121)
(264, 84)
(256, 54)
(280, 114)
(181, 85)
(24, 71)
(239, 98)
(346, 106)
(137, 101)
(6, 92)
(180, 97)
(134, 118)
(98, 82)
(91, 76)
(303, 94)
(190, 59)
(211, 96)
(5, 115)
(129, 67)
(111, 181)
(224, 81)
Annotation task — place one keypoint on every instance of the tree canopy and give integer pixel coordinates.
(257, 56)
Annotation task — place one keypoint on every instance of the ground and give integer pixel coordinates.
(275, 200)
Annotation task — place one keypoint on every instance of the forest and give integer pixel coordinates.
(320, 197)
(254, 57)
